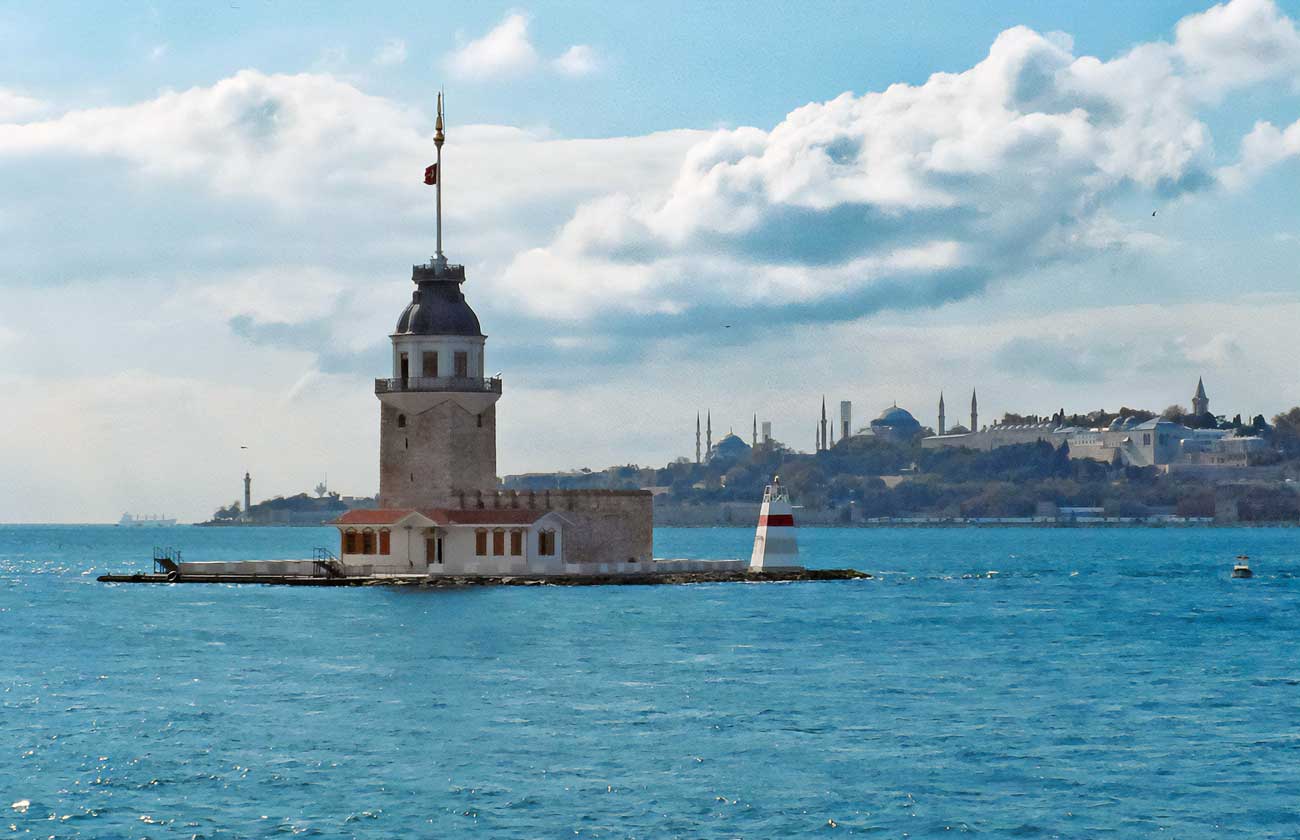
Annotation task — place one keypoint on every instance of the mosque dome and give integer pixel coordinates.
(730, 448)
(896, 423)
(895, 416)
(437, 305)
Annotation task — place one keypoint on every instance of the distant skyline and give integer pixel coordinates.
(208, 216)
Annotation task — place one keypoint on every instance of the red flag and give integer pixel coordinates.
(431, 174)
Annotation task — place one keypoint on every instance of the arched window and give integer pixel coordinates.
(401, 421)
(480, 542)
(498, 543)
(367, 541)
(384, 541)
(349, 542)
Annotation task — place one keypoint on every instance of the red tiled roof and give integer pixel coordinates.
(375, 516)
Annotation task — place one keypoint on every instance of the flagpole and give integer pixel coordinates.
(441, 262)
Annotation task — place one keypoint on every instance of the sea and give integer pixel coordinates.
(1006, 682)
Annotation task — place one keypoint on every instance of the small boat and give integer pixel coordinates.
(1241, 569)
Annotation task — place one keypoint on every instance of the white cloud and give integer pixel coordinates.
(1264, 147)
(1003, 166)
(1239, 43)
(504, 51)
(578, 60)
(392, 52)
(15, 107)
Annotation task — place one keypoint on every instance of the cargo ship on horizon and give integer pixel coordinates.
(146, 521)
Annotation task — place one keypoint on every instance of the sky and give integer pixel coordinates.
(208, 212)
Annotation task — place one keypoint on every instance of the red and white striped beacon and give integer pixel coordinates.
(774, 542)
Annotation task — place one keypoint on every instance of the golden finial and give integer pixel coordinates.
(437, 125)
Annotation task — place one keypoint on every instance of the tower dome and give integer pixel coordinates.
(438, 306)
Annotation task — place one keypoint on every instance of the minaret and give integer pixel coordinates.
(755, 430)
(974, 412)
(1200, 402)
(697, 437)
(708, 432)
(941, 417)
(823, 425)
(248, 493)
(437, 415)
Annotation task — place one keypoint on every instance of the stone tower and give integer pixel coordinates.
(942, 419)
(1200, 402)
(248, 492)
(974, 412)
(437, 414)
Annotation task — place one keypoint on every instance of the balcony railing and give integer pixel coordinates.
(437, 383)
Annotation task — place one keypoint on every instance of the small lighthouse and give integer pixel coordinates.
(774, 542)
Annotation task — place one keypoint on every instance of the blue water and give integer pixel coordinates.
(1012, 682)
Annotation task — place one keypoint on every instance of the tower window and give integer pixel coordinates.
(480, 421)
(401, 421)
(462, 364)
(404, 367)
(430, 364)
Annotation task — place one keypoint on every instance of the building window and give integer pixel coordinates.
(1146, 440)
(367, 541)
(385, 545)
(480, 421)
(480, 542)
(349, 542)
(498, 543)
(429, 365)
(546, 543)
(516, 543)
(404, 367)
(401, 421)
(462, 364)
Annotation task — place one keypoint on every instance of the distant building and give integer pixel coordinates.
(894, 424)
(1200, 402)
(1152, 443)
(731, 448)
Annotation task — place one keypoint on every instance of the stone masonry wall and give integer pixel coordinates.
(603, 526)
(417, 463)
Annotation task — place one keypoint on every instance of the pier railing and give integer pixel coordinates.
(438, 383)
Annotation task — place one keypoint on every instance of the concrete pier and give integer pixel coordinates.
(444, 581)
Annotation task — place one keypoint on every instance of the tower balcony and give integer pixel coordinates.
(438, 384)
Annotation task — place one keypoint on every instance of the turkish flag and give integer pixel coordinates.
(431, 174)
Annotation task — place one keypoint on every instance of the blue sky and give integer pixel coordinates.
(213, 204)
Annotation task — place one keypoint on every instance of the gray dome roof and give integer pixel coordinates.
(894, 416)
(437, 306)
